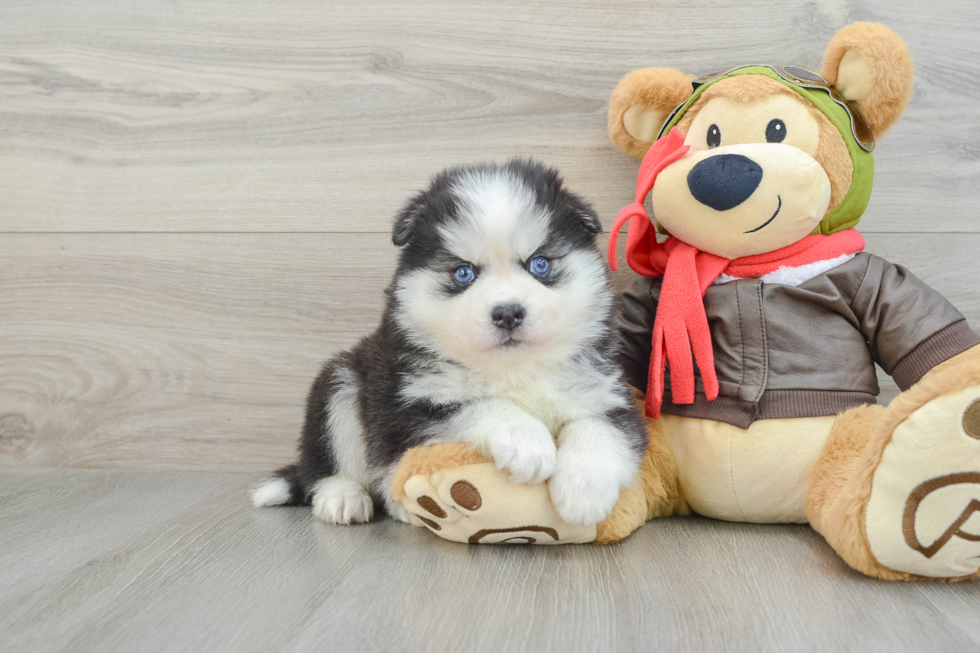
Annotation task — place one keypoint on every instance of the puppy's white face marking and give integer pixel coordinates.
(499, 221)
(499, 229)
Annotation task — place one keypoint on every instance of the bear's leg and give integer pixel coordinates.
(656, 493)
(460, 495)
(896, 490)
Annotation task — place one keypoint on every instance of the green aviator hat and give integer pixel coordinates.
(842, 114)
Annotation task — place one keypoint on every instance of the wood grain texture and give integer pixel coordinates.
(124, 115)
(165, 561)
(195, 351)
(291, 132)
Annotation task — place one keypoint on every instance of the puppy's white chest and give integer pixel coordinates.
(554, 399)
(547, 401)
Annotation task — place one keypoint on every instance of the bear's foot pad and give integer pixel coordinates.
(478, 504)
(923, 516)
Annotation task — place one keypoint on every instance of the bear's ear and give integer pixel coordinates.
(640, 105)
(871, 66)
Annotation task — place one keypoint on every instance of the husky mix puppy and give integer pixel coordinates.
(498, 333)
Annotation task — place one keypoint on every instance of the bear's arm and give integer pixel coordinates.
(634, 324)
(910, 328)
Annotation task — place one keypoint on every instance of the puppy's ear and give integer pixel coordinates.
(641, 103)
(871, 66)
(406, 219)
(590, 220)
(550, 185)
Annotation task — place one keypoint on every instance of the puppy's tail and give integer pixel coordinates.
(281, 490)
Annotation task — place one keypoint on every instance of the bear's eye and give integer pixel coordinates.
(714, 136)
(775, 131)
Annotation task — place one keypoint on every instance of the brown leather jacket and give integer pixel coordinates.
(807, 350)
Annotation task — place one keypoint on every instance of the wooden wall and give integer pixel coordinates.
(195, 196)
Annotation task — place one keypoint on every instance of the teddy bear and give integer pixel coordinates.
(751, 333)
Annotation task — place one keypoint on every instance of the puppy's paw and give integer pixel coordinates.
(594, 462)
(338, 500)
(581, 492)
(525, 450)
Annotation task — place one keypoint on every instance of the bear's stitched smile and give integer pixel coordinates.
(780, 206)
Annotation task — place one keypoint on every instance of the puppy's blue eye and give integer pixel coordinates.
(464, 275)
(539, 266)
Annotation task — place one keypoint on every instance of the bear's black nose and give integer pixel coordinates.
(724, 181)
(507, 316)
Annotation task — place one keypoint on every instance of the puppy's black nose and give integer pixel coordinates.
(507, 316)
(724, 181)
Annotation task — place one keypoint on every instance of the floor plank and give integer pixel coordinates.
(195, 351)
(125, 115)
(167, 561)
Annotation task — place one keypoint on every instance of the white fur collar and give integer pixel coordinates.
(794, 276)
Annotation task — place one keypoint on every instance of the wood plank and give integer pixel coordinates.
(195, 351)
(211, 573)
(43, 538)
(204, 343)
(131, 116)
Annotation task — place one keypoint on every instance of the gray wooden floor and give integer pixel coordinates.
(177, 561)
(195, 200)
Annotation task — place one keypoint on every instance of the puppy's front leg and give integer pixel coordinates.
(595, 461)
(521, 445)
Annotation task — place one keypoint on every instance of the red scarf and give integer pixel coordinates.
(681, 325)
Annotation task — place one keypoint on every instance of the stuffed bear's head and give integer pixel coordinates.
(776, 153)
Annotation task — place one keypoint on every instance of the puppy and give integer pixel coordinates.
(498, 334)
